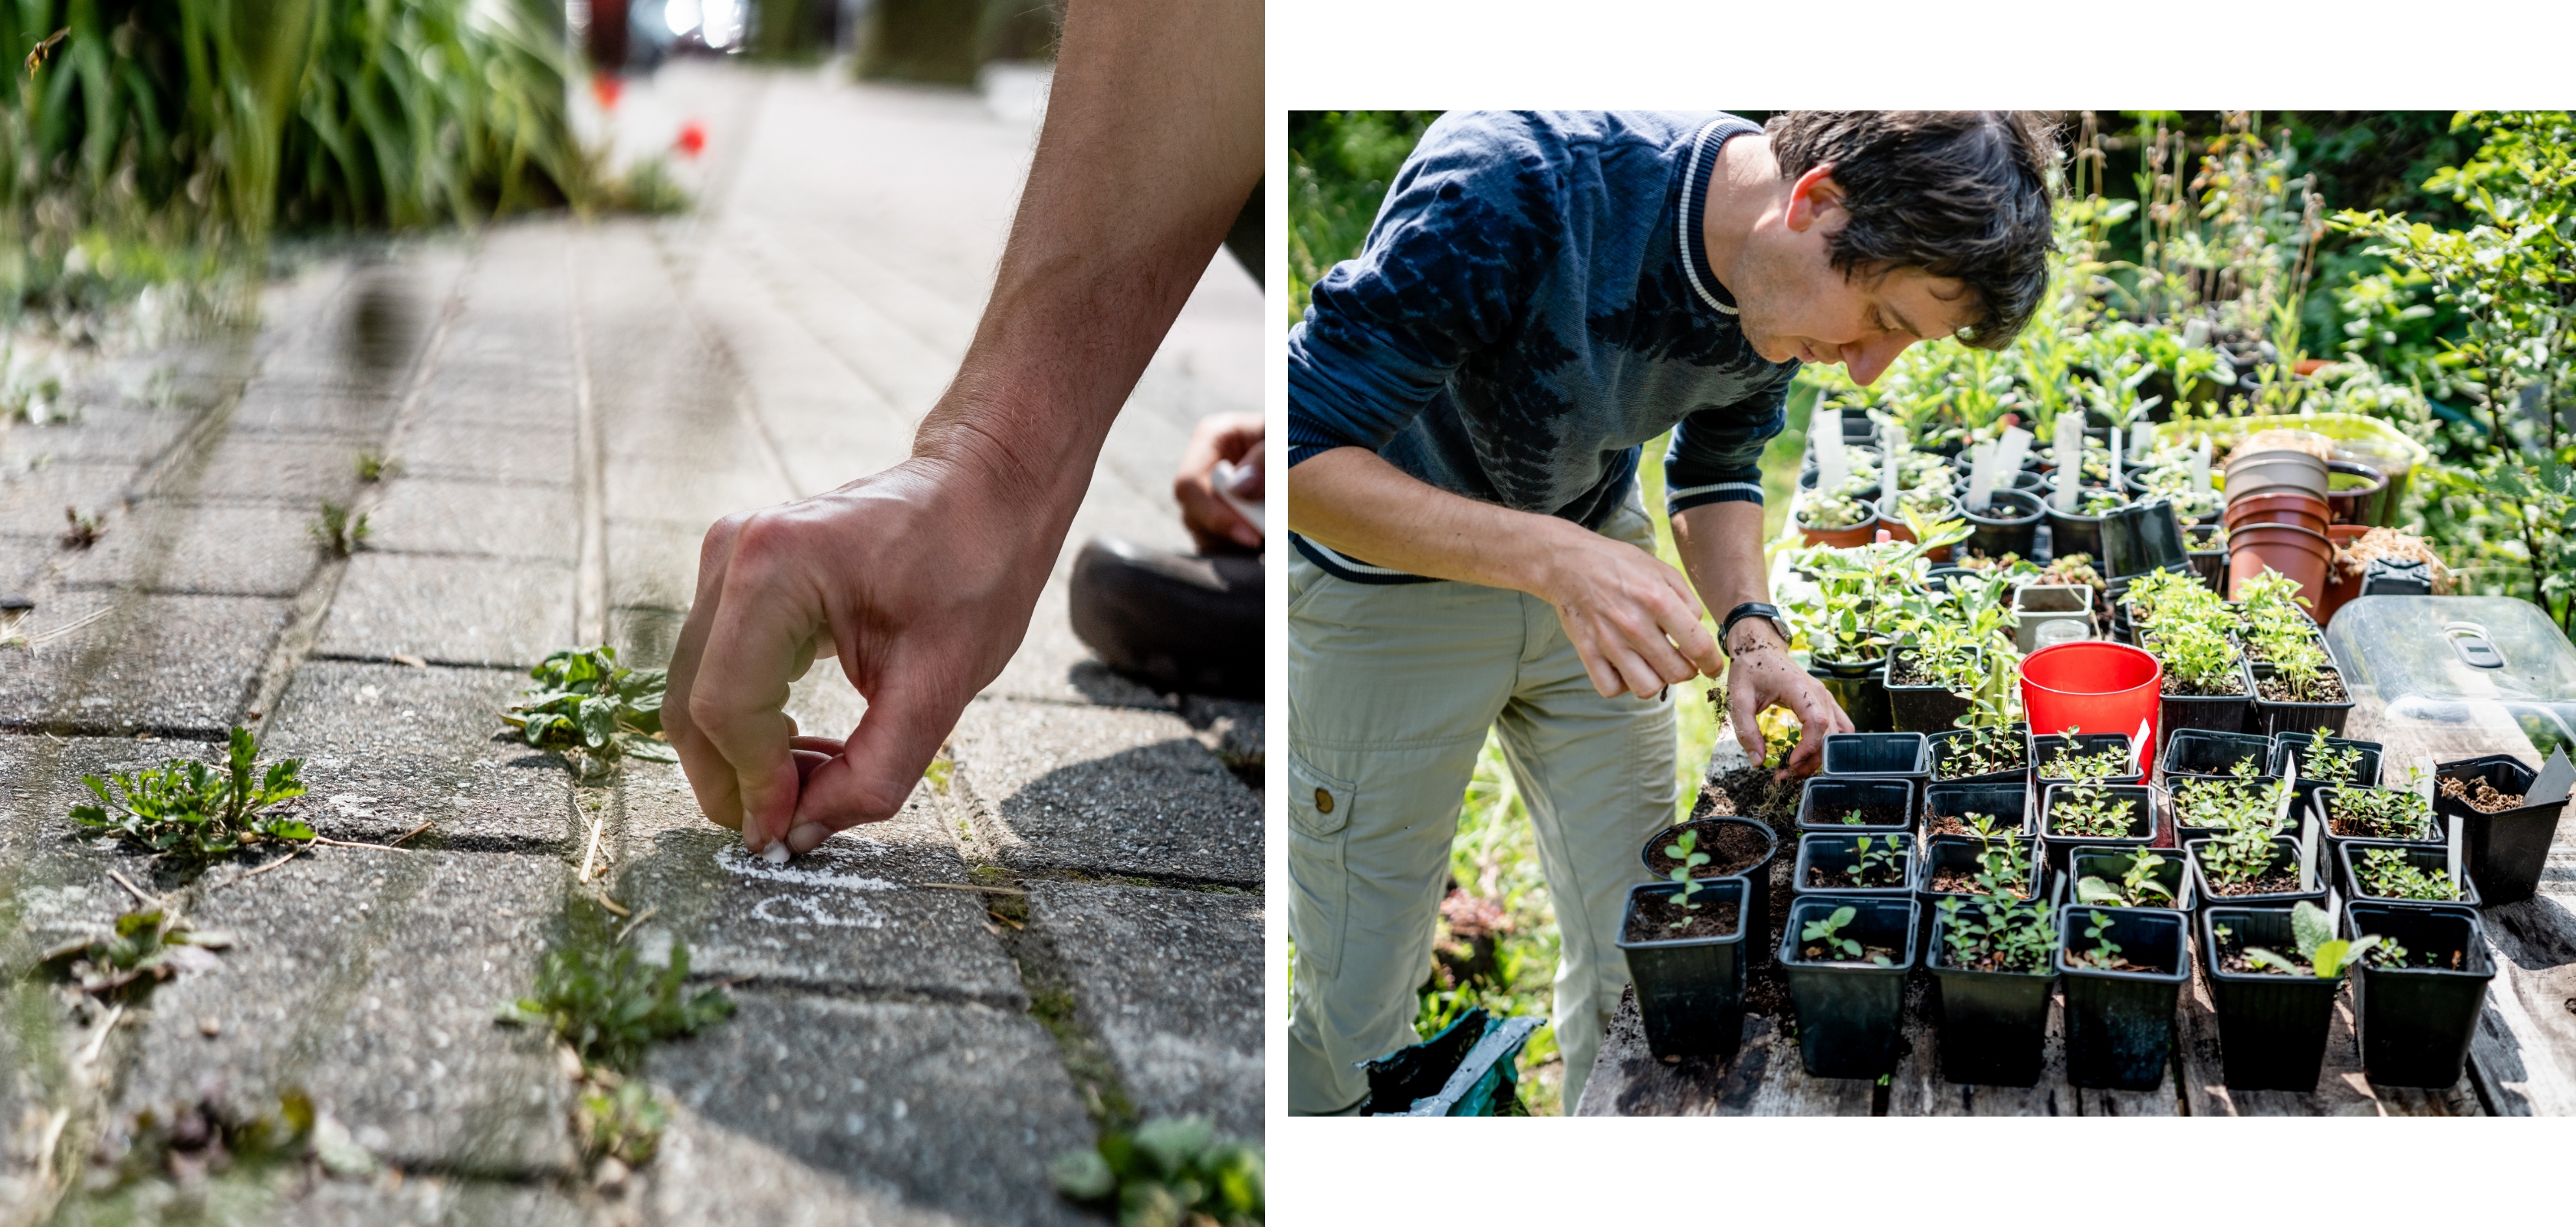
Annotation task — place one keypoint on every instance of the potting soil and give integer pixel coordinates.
(1876, 814)
(2276, 689)
(1766, 987)
(1731, 849)
(1962, 882)
(1957, 824)
(1889, 875)
(2484, 799)
(2269, 884)
(1754, 792)
(1652, 921)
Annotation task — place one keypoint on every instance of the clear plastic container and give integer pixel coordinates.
(2452, 665)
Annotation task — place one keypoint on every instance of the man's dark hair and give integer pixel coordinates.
(1960, 194)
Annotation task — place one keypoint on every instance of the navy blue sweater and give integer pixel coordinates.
(1533, 304)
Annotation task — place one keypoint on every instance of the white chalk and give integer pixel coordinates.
(777, 854)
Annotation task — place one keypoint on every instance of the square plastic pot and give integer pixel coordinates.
(1922, 709)
(2293, 744)
(2120, 1024)
(2220, 713)
(1860, 688)
(1757, 876)
(1891, 755)
(2178, 786)
(1834, 855)
(2009, 804)
(2505, 851)
(2213, 751)
(2285, 855)
(2010, 525)
(2142, 537)
(1938, 745)
(2271, 1027)
(2044, 746)
(2111, 864)
(2069, 533)
(1850, 1019)
(2416, 1022)
(2348, 857)
(2145, 819)
(1885, 804)
(2037, 605)
(2437, 838)
(2274, 719)
(1690, 991)
(1994, 1024)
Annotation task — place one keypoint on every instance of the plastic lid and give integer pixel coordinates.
(2459, 661)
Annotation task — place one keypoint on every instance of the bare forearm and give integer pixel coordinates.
(1353, 501)
(1721, 549)
(1151, 144)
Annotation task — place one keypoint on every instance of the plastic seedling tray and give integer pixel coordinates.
(2416, 1021)
(2120, 1024)
(1833, 855)
(2294, 745)
(2008, 803)
(2348, 857)
(1904, 755)
(2145, 818)
(2274, 719)
(2505, 851)
(1825, 802)
(1940, 745)
(1850, 1016)
(2271, 1027)
(1994, 1024)
(1690, 991)
(2285, 859)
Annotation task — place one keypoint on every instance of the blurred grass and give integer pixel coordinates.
(1339, 166)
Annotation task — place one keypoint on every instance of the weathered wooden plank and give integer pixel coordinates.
(1917, 1088)
(1764, 1079)
(2525, 1047)
(2341, 1089)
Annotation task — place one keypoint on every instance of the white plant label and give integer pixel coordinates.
(2200, 468)
(1981, 477)
(2142, 438)
(2289, 789)
(2138, 748)
(2452, 854)
(2556, 776)
(2308, 849)
(2070, 460)
(2011, 449)
(2115, 456)
(1832, 466)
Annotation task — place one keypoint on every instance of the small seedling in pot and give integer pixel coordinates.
(2225, 804)
(2002, 867)
(2391, 874)
(1855, 818)
(84, 531)
(1829, 944)
(2330, 764)
(2068, 764)
(338, 531)
(2321, 953)
(2090, 811)
(2238, 861)
(194, 813)
(2380, 813)
(1998, 937)
(1874, 863)
(1818, 510)
(1986, 749)
(2137, 887)
(1684, 850)
(592, 710)
(2100, 953)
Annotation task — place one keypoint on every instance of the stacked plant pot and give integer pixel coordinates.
(2276, 518)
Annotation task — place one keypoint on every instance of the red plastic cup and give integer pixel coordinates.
(2096, 687)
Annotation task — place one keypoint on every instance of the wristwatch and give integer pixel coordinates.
(1752, 609)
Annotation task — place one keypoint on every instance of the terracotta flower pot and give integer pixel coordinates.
(2278, 507)
(2289, 549)
(1840, 538)
(2252, 473)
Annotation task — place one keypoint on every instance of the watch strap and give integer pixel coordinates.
(1750, 609)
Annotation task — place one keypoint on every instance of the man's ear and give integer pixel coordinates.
(1815, 199)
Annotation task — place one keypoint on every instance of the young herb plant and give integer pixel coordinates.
(2002, 864)
(2093, 768)
(2320, 952)
(1686, 857)
(2380, 813)
(2390, 873)
(193, 813)
(1995, 936)
(591, 709)
(2090, 811)
(1985, 749)
(1830, 945)
(1875, 862)
(2331, 764)
(2225, 804)
(2137, 887)
(2099, 953)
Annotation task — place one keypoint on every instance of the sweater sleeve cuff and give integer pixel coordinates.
(1732, 488)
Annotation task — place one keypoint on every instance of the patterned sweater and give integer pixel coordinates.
(1533, 304)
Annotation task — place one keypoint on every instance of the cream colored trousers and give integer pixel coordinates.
(1391, 688)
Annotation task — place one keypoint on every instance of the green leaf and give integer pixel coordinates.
(2329, 958)
(2309, 926)
(598, 719)
(2089, 889)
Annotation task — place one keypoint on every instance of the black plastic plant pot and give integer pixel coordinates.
(1850, 1016)
(1690, 991)
(1896, 755)
(2112, 864)
(2007, 803)
(2262, 668)
(2285, 859)
(2212, 751)
(2294, 745)
(2348, 856)
(2271, 1027)
(2044, 746)
(1859, 688)
(1757, 876)
(2143, 822)
(1961, 852)
(2142, 537)
(2437, 833)
(2274, 719)
(2009, 525)
(2120, 1024)
(2177, 787)
(2506, 850)
(1923, 709)
(1883, 804)
(1994, 1024)
(2217, 713)
(1828, 858)
(2416, 1021)
(1940, 744)
(2070, 534)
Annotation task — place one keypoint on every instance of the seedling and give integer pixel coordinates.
(2089, 811)
(609, 1005)
(84, 531)
(339, 532)
(2239, 857)
(1831, 946)
(1686, 857)
(622, 1122)
(2381, 813)
(193, 813)
(1820, 510)
(373, 467)
(2329, 764)
(1854, 819)
(1986, 749)
(2137, 887)
(1874, 862)
(2101, 953)
(2321, 953)
(2390, 873)
(2002, 867)
(2225, 804)
(2006, 937)
(591, 709)
(148, 948)
(2093, 768)
(1170, 1170)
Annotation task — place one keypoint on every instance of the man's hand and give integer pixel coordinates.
(1216, 526)
(1633, 619)
(918, 579)
(1764, 676)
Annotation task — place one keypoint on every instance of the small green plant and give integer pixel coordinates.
(2090, 811)
(2381, 813)
(2093, 768)
(2320, 952)
(194, 813)
(2002, 864)
(2239, 857)
(2390, 873)
(2332, 764)
(609, 1005)
(621, 1121)
(84, 531)
(339, 532)
(592, 710)
(1819, 510)
(1875, 862)
(2227, 804)
(1855, 818)
(2099, 953)
(1684, 850)
(1830, 945)
(375, 467)
(2137, 887)
(1991, 936)
(1169, 1171)
(147, 947)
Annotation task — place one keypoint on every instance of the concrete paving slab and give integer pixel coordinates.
(369, 979)
(304, 470)
(953, 1108)
(654, 563)
(430, 1201)
(496, 519)
(455, 451)
(706, 1175)
(21, 558)
(461, 611)
(170, 665)
(32, 502)
(166, 546)
(1104, 790)
(334, 404)
(691, 496)
(115, 432)
(1171, 981)
(388, 747)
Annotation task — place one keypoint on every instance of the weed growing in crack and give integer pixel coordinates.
(1173, 1170)
(85, 530)
(338, 531)
(374, 468)
(148, 948)
(609, 1005)
(593, 710)
(618, 1118)
(193, 813)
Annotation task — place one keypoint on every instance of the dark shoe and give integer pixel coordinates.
(1177, 622)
